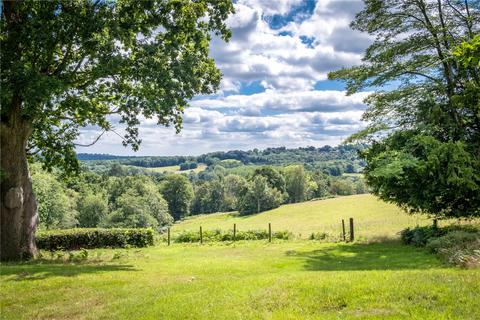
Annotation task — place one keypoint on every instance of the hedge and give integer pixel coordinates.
(73, 239)
(218, 235)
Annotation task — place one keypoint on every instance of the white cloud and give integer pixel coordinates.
(289, 112)
(282, 61)
(291, 101)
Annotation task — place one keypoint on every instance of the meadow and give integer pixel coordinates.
(254, 280)
(373, 218)
(373, 278)
(171, 169)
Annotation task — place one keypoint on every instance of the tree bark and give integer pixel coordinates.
(18, 215)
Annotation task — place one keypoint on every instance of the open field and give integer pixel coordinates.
(295, 279)
(255, 280)
(373, 218)
(174, 169)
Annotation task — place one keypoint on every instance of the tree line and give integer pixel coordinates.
(268, 156)
(94, 200)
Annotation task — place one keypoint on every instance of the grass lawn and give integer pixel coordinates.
(247, 280)
(373, 218)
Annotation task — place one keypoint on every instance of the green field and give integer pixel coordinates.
(255, 280)
(294, 279)
(176, 169)
(372, 218)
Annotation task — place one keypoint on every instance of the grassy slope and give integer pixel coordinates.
(373, 218)
(256, 280)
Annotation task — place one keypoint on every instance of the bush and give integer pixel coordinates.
(458, 245)
(419, 236)
(218, 235)
(72, 239)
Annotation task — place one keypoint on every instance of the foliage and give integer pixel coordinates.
(468, 52)
(188, 166)
(219, 235)
(274, 178)
(137, 202)
(178, 192)
(296, 182)
(127, 58)
(402, 169)
(92, 209)
(341, 188)
(329, 159)
(73, 239)
(419, 236)
(209, 197)
(455, 244)
(56, 203)
(424, 133)
(259, 197)
(235, 187)
(460, 248)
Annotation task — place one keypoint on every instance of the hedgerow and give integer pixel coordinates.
(89, 238)
(219, 235)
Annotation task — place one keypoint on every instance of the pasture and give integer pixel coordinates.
(373, 218)
(285, 279)
(254, 280)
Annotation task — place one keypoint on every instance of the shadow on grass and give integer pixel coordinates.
(39, 271)
(373, 256)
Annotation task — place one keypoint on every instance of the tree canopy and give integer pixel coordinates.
(70, 64)
(425, 132)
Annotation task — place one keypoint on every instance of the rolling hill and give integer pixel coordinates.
(372, 217)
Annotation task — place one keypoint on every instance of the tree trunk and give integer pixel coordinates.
(18, 215)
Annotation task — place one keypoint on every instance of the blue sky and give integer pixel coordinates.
(274, 90)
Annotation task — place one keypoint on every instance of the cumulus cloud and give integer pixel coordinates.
(284, 61)
(291, 101)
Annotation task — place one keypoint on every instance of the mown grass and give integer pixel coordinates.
(372, 217)
(245, 280)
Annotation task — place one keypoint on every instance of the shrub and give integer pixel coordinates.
(218, 235)
(458, 247)
(419, 236)
(456, 244)
(72, 239)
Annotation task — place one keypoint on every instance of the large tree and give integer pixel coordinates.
(178, 192)
(425, 132)
(66, 64)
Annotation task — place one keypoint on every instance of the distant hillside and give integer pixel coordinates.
(98, 156)
(270, 156)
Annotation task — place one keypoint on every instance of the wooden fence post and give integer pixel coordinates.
(234, 231)
(352, 234)
(435, 223)
(168, 235)
(343, 231)
(201, 235)
(269, 232)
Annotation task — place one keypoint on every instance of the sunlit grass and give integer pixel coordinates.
(372, 218)
(247, 280)
(176, 169)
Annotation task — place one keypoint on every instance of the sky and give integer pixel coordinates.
(274, 90)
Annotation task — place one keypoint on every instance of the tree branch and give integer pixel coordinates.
(92, 143)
